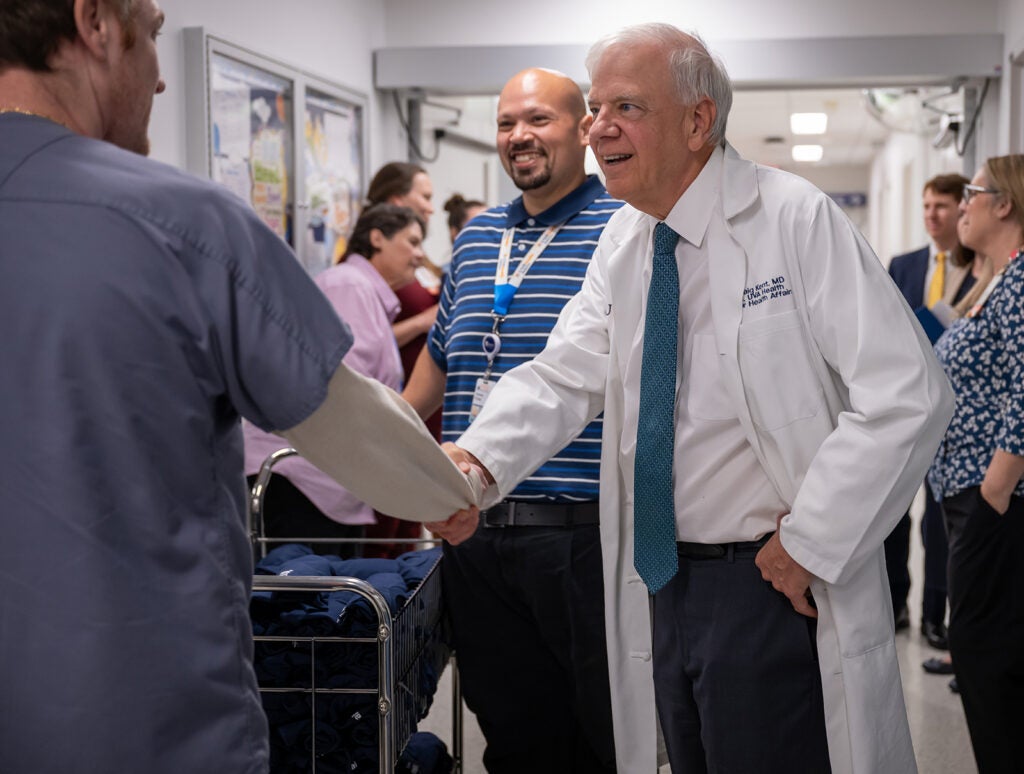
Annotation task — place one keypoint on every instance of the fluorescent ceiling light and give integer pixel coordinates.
(807, 152)
(808, 123)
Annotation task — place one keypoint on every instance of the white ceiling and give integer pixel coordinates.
(854, 134)
(852, 138)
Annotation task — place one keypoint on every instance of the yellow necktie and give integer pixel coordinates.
(938, 282)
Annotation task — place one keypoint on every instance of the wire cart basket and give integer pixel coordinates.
(411, 650)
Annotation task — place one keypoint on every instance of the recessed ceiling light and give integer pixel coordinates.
(808, 123)
(807, 152)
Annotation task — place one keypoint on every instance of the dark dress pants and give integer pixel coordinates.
(936, 558)
(289, 513)
(897, 559)
(527, 610)
(736, 673)
(986, 624)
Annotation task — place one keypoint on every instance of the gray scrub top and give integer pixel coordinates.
(141, 311)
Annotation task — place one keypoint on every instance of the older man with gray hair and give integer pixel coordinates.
(770, 405)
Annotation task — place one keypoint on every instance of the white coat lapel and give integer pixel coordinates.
(727, 275)
(628, 272)
(627, 282)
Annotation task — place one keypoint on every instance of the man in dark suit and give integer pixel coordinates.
(938, 272)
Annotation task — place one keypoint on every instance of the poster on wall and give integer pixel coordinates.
(333, 164)
(291, 144)
(251, 120)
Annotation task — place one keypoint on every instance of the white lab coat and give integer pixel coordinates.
(840, 397)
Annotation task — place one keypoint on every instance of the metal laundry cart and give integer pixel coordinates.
(410, 646)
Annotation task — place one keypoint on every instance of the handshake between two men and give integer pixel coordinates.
(461, 525)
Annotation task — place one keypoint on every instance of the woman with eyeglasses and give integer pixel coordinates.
(978, 469)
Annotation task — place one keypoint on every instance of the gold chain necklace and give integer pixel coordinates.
(24, 112)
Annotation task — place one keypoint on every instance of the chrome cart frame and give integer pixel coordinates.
(401, 641)
(255, 515)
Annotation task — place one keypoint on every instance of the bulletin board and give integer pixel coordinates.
(290, 144)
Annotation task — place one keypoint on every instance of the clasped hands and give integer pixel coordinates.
(461, 525)
(786, 576)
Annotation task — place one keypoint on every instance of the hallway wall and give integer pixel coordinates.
(333, 39)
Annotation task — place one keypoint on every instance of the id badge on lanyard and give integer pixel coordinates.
(505, 288)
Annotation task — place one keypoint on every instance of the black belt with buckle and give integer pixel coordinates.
(519, 513)
(719, 550)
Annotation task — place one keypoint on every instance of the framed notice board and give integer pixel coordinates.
(289, 143)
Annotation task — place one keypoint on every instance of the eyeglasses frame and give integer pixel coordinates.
(971, 190)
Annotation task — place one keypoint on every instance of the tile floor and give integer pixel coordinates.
(936, 716)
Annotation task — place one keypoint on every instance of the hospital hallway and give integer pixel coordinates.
(937, 723)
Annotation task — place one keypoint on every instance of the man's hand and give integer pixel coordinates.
(463, 524)
(466, 461)
(457, 528)
(786, 576)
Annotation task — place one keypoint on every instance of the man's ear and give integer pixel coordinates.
(698, 133)
(584, 129)
(95, 24)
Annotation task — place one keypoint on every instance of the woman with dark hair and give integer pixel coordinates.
(460, 212)
(401, 180)
(382, 256)
(978, 470)
(408, 185)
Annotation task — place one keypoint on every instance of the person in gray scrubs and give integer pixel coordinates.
(143, 311)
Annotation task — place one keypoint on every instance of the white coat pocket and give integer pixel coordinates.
(774, 360)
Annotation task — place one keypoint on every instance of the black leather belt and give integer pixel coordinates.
(719, 550)
(511, 513)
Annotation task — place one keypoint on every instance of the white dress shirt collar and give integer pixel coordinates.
(691, 214)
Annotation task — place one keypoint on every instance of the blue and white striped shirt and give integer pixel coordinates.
(464, 317)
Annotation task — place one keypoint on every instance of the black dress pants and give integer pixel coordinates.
(936, 559)
(897, 558)
(986, 624)
(527, 611)
(897, 550)
(289, 513)
(736, 673)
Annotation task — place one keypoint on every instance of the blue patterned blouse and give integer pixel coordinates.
(983, 356)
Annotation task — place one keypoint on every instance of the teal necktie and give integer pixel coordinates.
(654, 521)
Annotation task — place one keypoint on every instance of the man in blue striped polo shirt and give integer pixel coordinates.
(525, 592)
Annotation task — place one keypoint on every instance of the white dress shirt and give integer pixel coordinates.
(722, 494)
